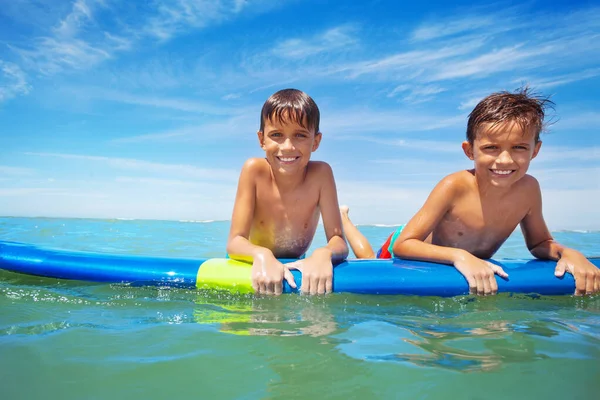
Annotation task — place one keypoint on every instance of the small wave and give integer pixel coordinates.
(577, 231)
(207, 221)
(381, 225)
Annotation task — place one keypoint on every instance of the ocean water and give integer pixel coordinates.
(80, 340)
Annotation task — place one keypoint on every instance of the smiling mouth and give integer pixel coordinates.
(287, 159)
(502, 172)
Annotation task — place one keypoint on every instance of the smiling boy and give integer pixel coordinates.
(280, 198)
(470, 214)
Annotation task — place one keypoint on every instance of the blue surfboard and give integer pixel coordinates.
(389, 276)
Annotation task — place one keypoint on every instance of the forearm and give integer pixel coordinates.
(414, 249)
(336, 249)
(240, 248)
(551, 250)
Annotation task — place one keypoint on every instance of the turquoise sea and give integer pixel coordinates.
(80, 340)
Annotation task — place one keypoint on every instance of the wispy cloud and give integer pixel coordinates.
(15, 171)
(437, 30)
(79, 16)
(242, 124)
(167, 102)
(174, 17)
(338, 38)
(353, 121)
(416, 94)
(556, 153)
(416, 144)
(13, 81)
(65, 48)
(559, 80)
(212, 174)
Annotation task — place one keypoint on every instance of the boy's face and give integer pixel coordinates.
(288, 145)
(502, 153)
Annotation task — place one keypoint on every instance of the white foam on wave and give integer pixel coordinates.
(197, 222)
(381, 225)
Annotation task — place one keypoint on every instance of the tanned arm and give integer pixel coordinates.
(411, 243)
(541, 244)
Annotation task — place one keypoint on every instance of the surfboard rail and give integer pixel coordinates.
(390, 276)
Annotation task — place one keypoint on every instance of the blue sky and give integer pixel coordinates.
(123, 109)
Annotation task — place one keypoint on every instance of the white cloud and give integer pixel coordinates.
(15, 171)
(352, 121)
(13, 81)
(79, 16)
(452, 27)
(173, 103)
(211, 174)
(175, 17)
(236, 126)
(559, 80)
(52, 55)
(549, 154)
(416, 94)
(333, 39)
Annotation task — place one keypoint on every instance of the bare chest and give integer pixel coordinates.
(285, 222)
(479, 227)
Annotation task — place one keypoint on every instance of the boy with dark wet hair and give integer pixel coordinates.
(469, 214)
(280, 198)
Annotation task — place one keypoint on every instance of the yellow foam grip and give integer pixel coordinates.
(224, 273)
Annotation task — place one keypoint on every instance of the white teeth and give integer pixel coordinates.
(287, 159)
(502, 171)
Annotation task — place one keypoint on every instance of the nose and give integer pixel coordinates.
(504, 158)
(287, 144)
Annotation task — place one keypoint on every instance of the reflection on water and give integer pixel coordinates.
(360, 346)
(465, 334)
(255, 315)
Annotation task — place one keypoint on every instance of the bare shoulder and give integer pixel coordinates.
(457, 182)
(319, 170)
(528, 189)
(255, 164)
(256, 167)
(528, 182)
(319, 166)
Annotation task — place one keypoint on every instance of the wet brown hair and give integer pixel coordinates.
(291, 105)
(523, 106)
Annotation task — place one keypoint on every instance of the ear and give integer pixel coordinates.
(468, 149)
(536, 149)
(317, 141)
(261, 139)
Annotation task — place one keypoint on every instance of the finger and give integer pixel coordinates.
(487, 289)
(305, 289)
(493, 285)
(580, 283)
(278, 288)
(480, 289)
(314, 285)
(329, 285)
(597, 283)
(289, 277)
(262, 287)
(472, 285)
(589, 284)
(270, 288)
(499, 271)
(560, 269)
(294, 265)
(321, 286)
(255, 286)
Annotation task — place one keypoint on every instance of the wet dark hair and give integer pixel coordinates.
(523, 107)
(291, 105)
